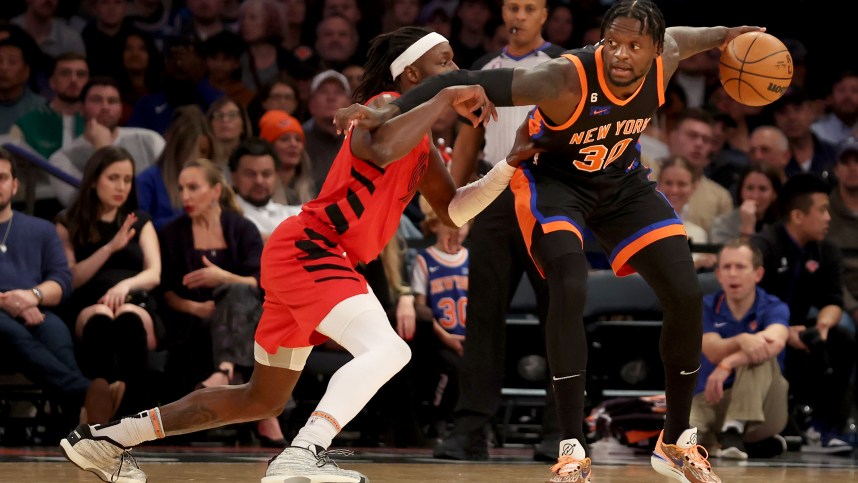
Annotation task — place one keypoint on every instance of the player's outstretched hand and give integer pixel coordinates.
(467, 100)
(363, 117)
(523, 148)
(734, 32)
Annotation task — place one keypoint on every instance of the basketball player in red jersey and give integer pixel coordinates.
(312, 291)
(591, 106)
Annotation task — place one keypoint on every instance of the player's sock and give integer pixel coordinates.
(319, 431)
(133, 430)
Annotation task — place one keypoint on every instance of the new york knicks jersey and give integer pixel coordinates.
(363, 202)
(446, 287)
(499, 134)
(603, 130)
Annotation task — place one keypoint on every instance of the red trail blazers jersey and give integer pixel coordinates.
(363, 202)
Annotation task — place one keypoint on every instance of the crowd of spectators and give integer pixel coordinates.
(195, 127)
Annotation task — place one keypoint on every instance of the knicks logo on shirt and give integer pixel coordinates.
(752, 325)
(811, 266)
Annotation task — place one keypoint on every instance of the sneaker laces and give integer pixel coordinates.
(324, 457)
(125, 457)
(696, 459)
(567, 460)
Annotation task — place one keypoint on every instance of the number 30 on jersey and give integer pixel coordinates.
(597, 156)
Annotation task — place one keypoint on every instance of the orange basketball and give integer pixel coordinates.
(756, 68)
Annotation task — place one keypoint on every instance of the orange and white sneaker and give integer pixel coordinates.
(572, 464)
(683, 461)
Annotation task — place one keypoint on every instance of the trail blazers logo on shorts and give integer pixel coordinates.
(600, 110)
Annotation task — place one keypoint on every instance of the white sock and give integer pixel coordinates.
(319, 431)
(734, 424)
(133, 430)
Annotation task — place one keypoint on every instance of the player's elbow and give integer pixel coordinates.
(445, 217)
(383, 154)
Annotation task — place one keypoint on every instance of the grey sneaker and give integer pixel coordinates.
(104, 457)
(300, 465)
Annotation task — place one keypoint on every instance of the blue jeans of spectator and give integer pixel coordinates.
(44, 354)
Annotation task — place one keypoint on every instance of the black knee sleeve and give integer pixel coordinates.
(565, 338)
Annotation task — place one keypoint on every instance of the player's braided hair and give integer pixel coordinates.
(645, 11)
(383, 50)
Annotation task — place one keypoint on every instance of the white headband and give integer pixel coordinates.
(414, 52)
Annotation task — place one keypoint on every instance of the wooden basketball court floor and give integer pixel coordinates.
(247, 465)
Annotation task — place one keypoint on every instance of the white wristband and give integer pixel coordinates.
(474, 197)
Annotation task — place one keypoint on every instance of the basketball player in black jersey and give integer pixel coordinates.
(591, 106)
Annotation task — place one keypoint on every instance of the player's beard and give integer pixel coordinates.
(624, 83)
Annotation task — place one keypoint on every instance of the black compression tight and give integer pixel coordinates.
(667, 267)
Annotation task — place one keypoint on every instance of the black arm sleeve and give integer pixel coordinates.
(496, 82)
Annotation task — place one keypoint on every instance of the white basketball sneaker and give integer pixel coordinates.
(103, 456)
(572, 464)
(301, 465)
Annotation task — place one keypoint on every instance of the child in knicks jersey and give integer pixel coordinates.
(439, 279)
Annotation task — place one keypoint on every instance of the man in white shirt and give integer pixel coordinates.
(254, 170)
(102, 107)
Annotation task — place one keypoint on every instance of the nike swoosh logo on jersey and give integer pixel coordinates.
(684, 373)
(433, 269)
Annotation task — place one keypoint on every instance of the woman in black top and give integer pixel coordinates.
(115, 260)
(211, 286)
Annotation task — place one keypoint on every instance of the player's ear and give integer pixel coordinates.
(411, 74)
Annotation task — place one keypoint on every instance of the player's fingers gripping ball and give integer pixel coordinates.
(756, 68)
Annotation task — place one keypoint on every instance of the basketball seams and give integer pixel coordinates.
(766, 57)
(742, 67)
(750, 86)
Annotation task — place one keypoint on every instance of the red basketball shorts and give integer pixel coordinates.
(305, 273)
